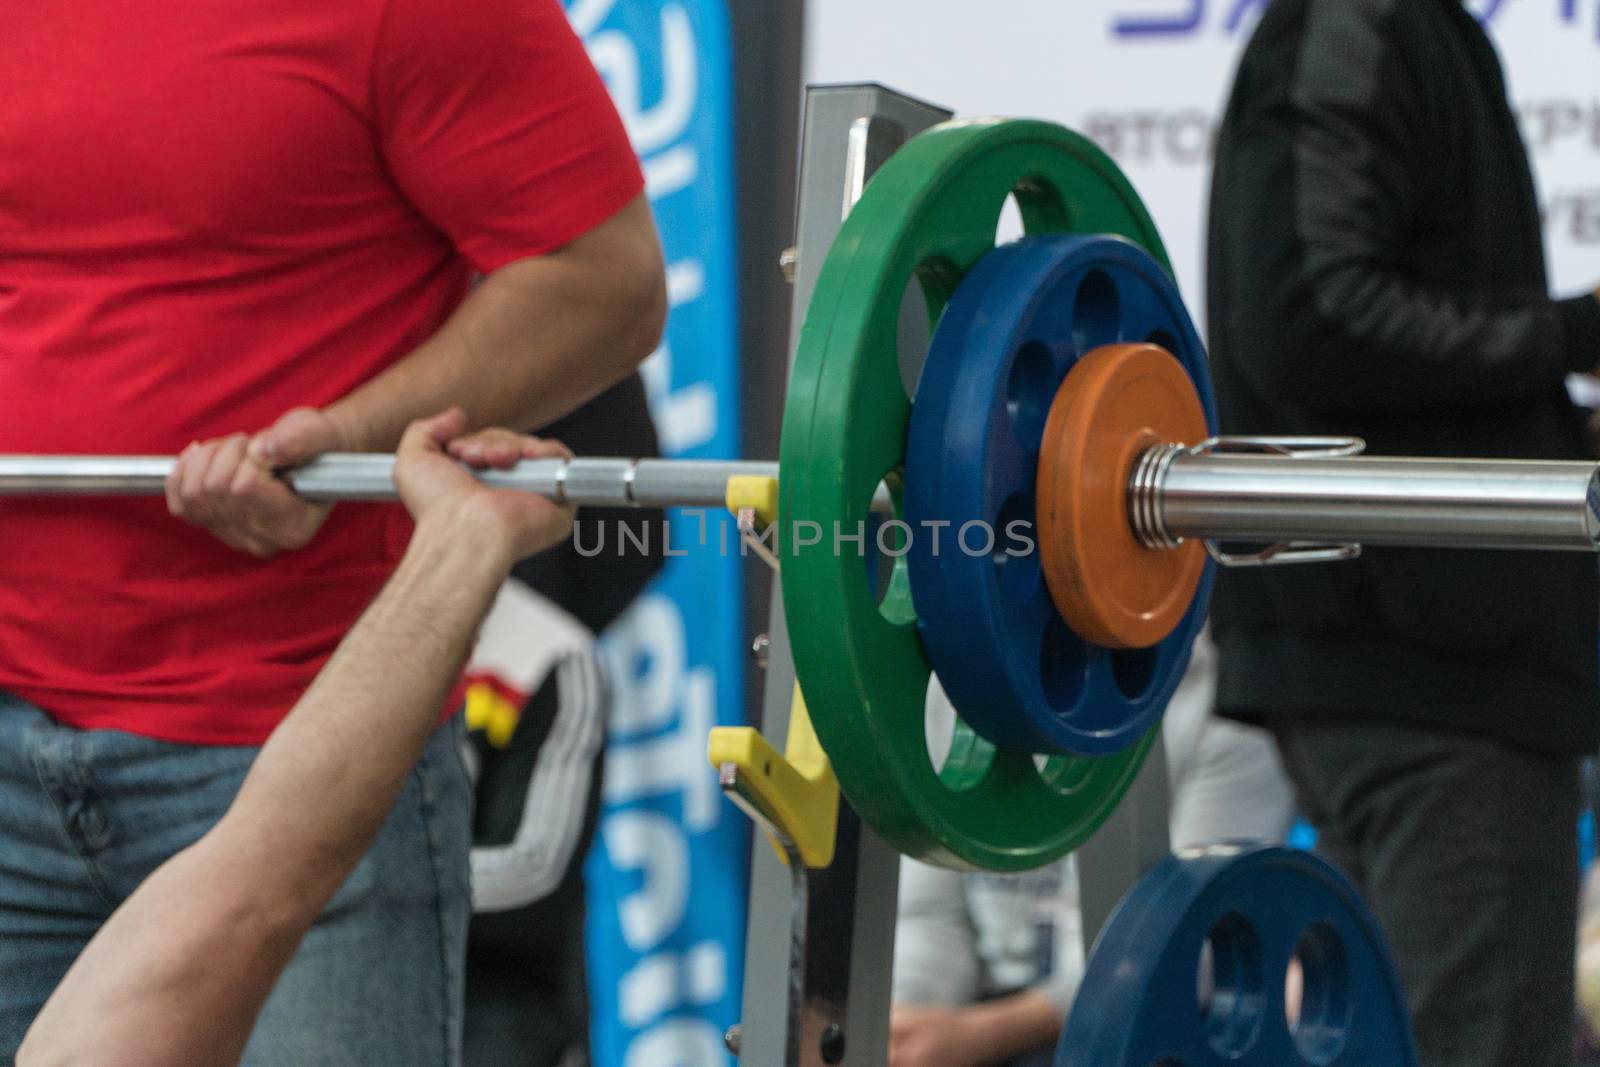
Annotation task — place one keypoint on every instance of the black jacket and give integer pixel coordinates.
(1376, 269)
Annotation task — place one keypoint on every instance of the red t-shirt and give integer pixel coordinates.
(213, 211)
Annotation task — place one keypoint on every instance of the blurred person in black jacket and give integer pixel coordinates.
(1376, 268)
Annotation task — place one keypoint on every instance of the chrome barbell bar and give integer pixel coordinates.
(1279, 490)
(1321, 491)
(609, 482)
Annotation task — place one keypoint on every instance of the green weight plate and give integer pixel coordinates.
(931, 212)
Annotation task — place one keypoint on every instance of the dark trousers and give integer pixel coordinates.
(1466, 851)
(529, 1006)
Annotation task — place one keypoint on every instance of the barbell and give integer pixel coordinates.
(1198, 494)
(1064, 394)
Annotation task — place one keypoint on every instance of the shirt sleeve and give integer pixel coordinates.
(497, 128)
(1067, 966)
(935, 947)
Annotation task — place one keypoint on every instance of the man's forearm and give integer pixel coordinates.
(535, 339)
(360, 728)
(1015, 1025)
(180, 971)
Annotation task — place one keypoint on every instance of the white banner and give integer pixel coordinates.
(1147, 79)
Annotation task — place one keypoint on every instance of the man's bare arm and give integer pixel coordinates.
(180, 971)
(973, 1035)
(536, 339)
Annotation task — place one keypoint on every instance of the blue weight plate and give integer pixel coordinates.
(1015, 671)
(1192, 970)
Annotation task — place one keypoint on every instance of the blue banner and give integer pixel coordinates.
(667, 877)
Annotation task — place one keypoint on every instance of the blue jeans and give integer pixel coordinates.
(86, 815)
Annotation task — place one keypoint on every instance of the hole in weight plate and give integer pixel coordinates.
(1040, 206)
(1163, 339)
(1063, 664)
(1009, 226)
(1096, 312)
(1134, 669)
(1229, 989)
(884, 542)
(1030, 390)
(1317, 1003)
(957, 754)
(938, 724)
(922, 302)
(1016, 548)
(913, 335)
(1064, 774)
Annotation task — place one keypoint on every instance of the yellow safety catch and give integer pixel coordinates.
(755, 494)
(793, 796)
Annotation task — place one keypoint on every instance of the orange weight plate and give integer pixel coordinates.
(1118, 401)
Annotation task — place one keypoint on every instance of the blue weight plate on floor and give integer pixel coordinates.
(1192, 969)
(1015, 671)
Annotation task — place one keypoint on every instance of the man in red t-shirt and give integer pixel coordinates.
(247, 234)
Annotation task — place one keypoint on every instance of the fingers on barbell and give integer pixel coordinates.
(260, 493)
(544, 448)
(186, 495)
(175, 477)
(222, 464)
(502, 449)
(217, 486)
